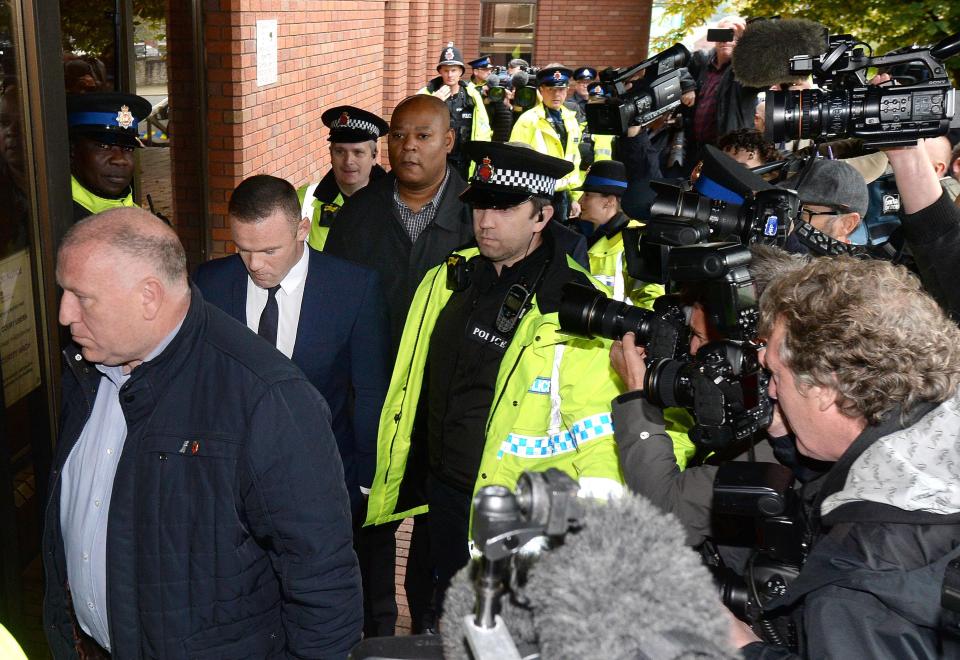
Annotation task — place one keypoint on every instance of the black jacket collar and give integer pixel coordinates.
(327, 190)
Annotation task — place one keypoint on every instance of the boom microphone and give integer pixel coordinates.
(625, 586)
(519, 79)
(761, 57)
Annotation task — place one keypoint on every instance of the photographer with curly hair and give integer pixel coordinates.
(865, 368)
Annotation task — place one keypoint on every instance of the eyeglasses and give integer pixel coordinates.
(811, 213)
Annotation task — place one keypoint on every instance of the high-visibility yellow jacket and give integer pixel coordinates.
(480, 124)
(90, 203)
(535, 129)
(551, 406)
(321, 201)
(608, 265)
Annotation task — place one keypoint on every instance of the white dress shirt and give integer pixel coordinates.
(86, 486)
(289, 299)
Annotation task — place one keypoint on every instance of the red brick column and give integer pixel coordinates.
(186, 179)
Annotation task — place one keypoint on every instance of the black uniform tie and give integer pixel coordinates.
(270, 317)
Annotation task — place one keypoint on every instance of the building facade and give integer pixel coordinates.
(237, 88)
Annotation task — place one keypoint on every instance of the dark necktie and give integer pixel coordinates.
(270, 317)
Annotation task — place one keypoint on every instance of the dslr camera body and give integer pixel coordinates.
(723, 385)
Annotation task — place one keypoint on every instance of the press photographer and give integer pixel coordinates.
(865, 368)
(645, 431)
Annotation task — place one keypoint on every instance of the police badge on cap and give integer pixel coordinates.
(481, 63)
(450, 56)
(554, 76)
(585, 73)
(110, 117)
(348, 124)
(510, 174)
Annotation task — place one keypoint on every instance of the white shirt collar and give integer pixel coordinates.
(297, 275)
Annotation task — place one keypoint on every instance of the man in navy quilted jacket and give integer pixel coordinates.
(197, 506)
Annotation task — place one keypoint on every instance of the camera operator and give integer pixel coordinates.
(600, 206)
(865, 366)
(643, 431)
(723, 104)
(930, 225)
(834, 198)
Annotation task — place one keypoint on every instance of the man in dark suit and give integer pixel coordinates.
(327, 315)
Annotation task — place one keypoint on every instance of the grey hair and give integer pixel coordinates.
(866, 329)
(138, 234)
(769, 262)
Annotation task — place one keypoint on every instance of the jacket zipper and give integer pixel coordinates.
(403, 400)
(503, 390)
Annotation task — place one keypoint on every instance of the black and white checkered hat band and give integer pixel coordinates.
(359, 125)
(540, 184)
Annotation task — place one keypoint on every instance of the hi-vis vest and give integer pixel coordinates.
(95, 203)
(608, 265)
(551, 406)
(535, 129)
(480, 130)
(321, 214)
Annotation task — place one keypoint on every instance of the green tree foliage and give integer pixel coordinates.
(88, 26)
(884, 24)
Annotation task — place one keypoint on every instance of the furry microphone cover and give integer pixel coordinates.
(762, 55)
(625, 586)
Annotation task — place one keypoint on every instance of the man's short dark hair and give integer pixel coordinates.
(751, 141)
(259, 196)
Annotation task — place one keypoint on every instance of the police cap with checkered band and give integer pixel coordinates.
(348, 124)
(508, 174)
(109, 117)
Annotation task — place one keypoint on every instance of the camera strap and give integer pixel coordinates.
(821, 244)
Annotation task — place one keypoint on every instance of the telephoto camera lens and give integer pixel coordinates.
(586, 312)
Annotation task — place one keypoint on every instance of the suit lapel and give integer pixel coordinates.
(312, 307)
(238, 293)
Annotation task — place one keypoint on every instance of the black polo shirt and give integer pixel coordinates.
(464, 360)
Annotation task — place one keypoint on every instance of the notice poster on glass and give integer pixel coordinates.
(18, 331)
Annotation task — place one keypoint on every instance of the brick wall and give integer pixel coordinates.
(186, 178)
(598, 33)
(329, 53)
(369, 53)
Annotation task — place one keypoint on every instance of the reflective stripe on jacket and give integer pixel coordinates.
(551, 405)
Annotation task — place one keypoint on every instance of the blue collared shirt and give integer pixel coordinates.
(85, 490)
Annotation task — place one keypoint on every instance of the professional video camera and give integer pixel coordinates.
(640, 102)
(846, 106)
(763, 492)
(685, 217)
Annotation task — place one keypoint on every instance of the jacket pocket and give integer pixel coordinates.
(188, 480)
(259, 636)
